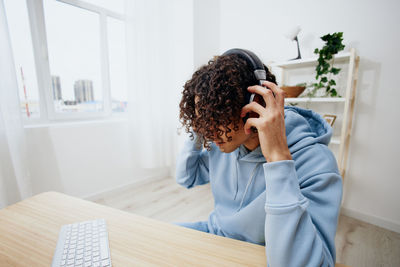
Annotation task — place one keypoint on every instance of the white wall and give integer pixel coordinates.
(372, 180)
(82, 159)
(206, 35)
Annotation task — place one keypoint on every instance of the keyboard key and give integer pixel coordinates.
(105, 263)
(103, 248)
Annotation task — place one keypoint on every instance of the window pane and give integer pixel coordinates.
(73, 39)
(21, 42)
(117, 56)
(114, 5)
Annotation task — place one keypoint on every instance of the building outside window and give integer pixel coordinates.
(81, 72)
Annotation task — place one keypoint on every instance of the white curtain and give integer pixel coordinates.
(14, 175)
(160, 59)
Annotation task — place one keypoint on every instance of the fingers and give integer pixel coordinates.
(265, 93)
(253, 106)
(274, 105)
(251, 122)
(268, 95)
(279, 93)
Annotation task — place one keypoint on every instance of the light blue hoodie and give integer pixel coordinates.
(289, 206)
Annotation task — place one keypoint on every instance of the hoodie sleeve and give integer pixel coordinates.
(301, 220)
(192, 165)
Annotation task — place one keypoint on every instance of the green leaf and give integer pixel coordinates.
(328, 56)
(333, 44)
(334, 70)
(326, 37)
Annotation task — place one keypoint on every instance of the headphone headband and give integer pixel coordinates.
(252, 59)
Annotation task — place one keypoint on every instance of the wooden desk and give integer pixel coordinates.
(29, 232)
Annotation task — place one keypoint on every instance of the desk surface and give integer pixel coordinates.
(29, 233)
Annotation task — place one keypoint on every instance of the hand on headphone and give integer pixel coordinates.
(271, 121)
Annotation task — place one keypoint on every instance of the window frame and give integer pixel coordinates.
(37, 24)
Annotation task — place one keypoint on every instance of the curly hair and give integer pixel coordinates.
(214, 96)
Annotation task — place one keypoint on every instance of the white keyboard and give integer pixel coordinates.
(83, 244)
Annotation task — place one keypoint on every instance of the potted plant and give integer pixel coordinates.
(325, 68)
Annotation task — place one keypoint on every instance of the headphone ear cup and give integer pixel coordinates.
(260, 100)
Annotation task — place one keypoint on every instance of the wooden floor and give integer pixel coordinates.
(357, 243)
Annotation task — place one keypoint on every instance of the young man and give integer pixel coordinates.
(273, 178)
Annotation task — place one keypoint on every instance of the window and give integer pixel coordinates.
(73, 41)
(21, 41)
(79, 51)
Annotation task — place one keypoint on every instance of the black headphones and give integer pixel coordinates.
(257, 66)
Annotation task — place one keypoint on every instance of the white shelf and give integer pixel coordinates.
(347, 102)
(335, 141)
(341, 57)
(315, 99)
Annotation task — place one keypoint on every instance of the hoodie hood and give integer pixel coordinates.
(305, 127)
